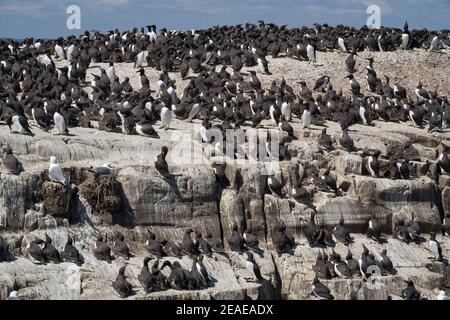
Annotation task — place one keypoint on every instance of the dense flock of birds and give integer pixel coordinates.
(33, 89)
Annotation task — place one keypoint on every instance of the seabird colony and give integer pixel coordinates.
(55, 100)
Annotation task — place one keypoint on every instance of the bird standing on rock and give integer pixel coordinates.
(410, 292)
(203, 245)
(35, 253)
(341, 233)
(121, 285)
(146, 278)
(435, 247)
(50, 252)
(161, 163)
(10, 162)
(320, 291)
(120, 247)
(387, 263)
(102, 251)
(55, 172)
(154, 246)
(188, 246)
(374, 228)
(253, 268)
(236, 242)
(70, 253)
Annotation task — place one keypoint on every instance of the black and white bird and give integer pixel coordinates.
(340, 267)
(198, 279)
(263, 65)
(341, 233)
(350, 63)
(121, 285)
(102, 251)
(352, 264)
(201, 268)
(346, 141)
(386, 263)
(400, 231)
(445, 227)
(410, 292)
(282, 242)
(322, 84)
(311, 53)
(203, 246)
(253, 268)
(120, 247)
(306, 118)
(60, 123)
(320, 291)
(443, 163)
(154, 246)
(363, 265)
(275, 187)
(161, 163)
(34, 250)
(50, 252)
(403, 169)
(10, 162)
(374, 228)
(188, 246)
(250, 240)
(320, 268)
(399, 91)
(18, 124)
(421, 93)
(435, 248)
(146, 278)
(70, 253)
(325, 141)
(373, 165)
(145, 129)
(405, 40)
(166, 117)
(416, 115)
(354, 85)
(236, 242)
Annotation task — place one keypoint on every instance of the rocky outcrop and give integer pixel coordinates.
(17, 194)
(137, 198)
(411, 262)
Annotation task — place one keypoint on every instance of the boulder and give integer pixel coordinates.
(283, 210)
(188, 199)
(232, 212)
(330, 211)
(17, 194)
(348, 164)
(388, 196)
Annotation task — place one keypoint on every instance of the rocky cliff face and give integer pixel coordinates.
(31, 206)
(137, 198)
